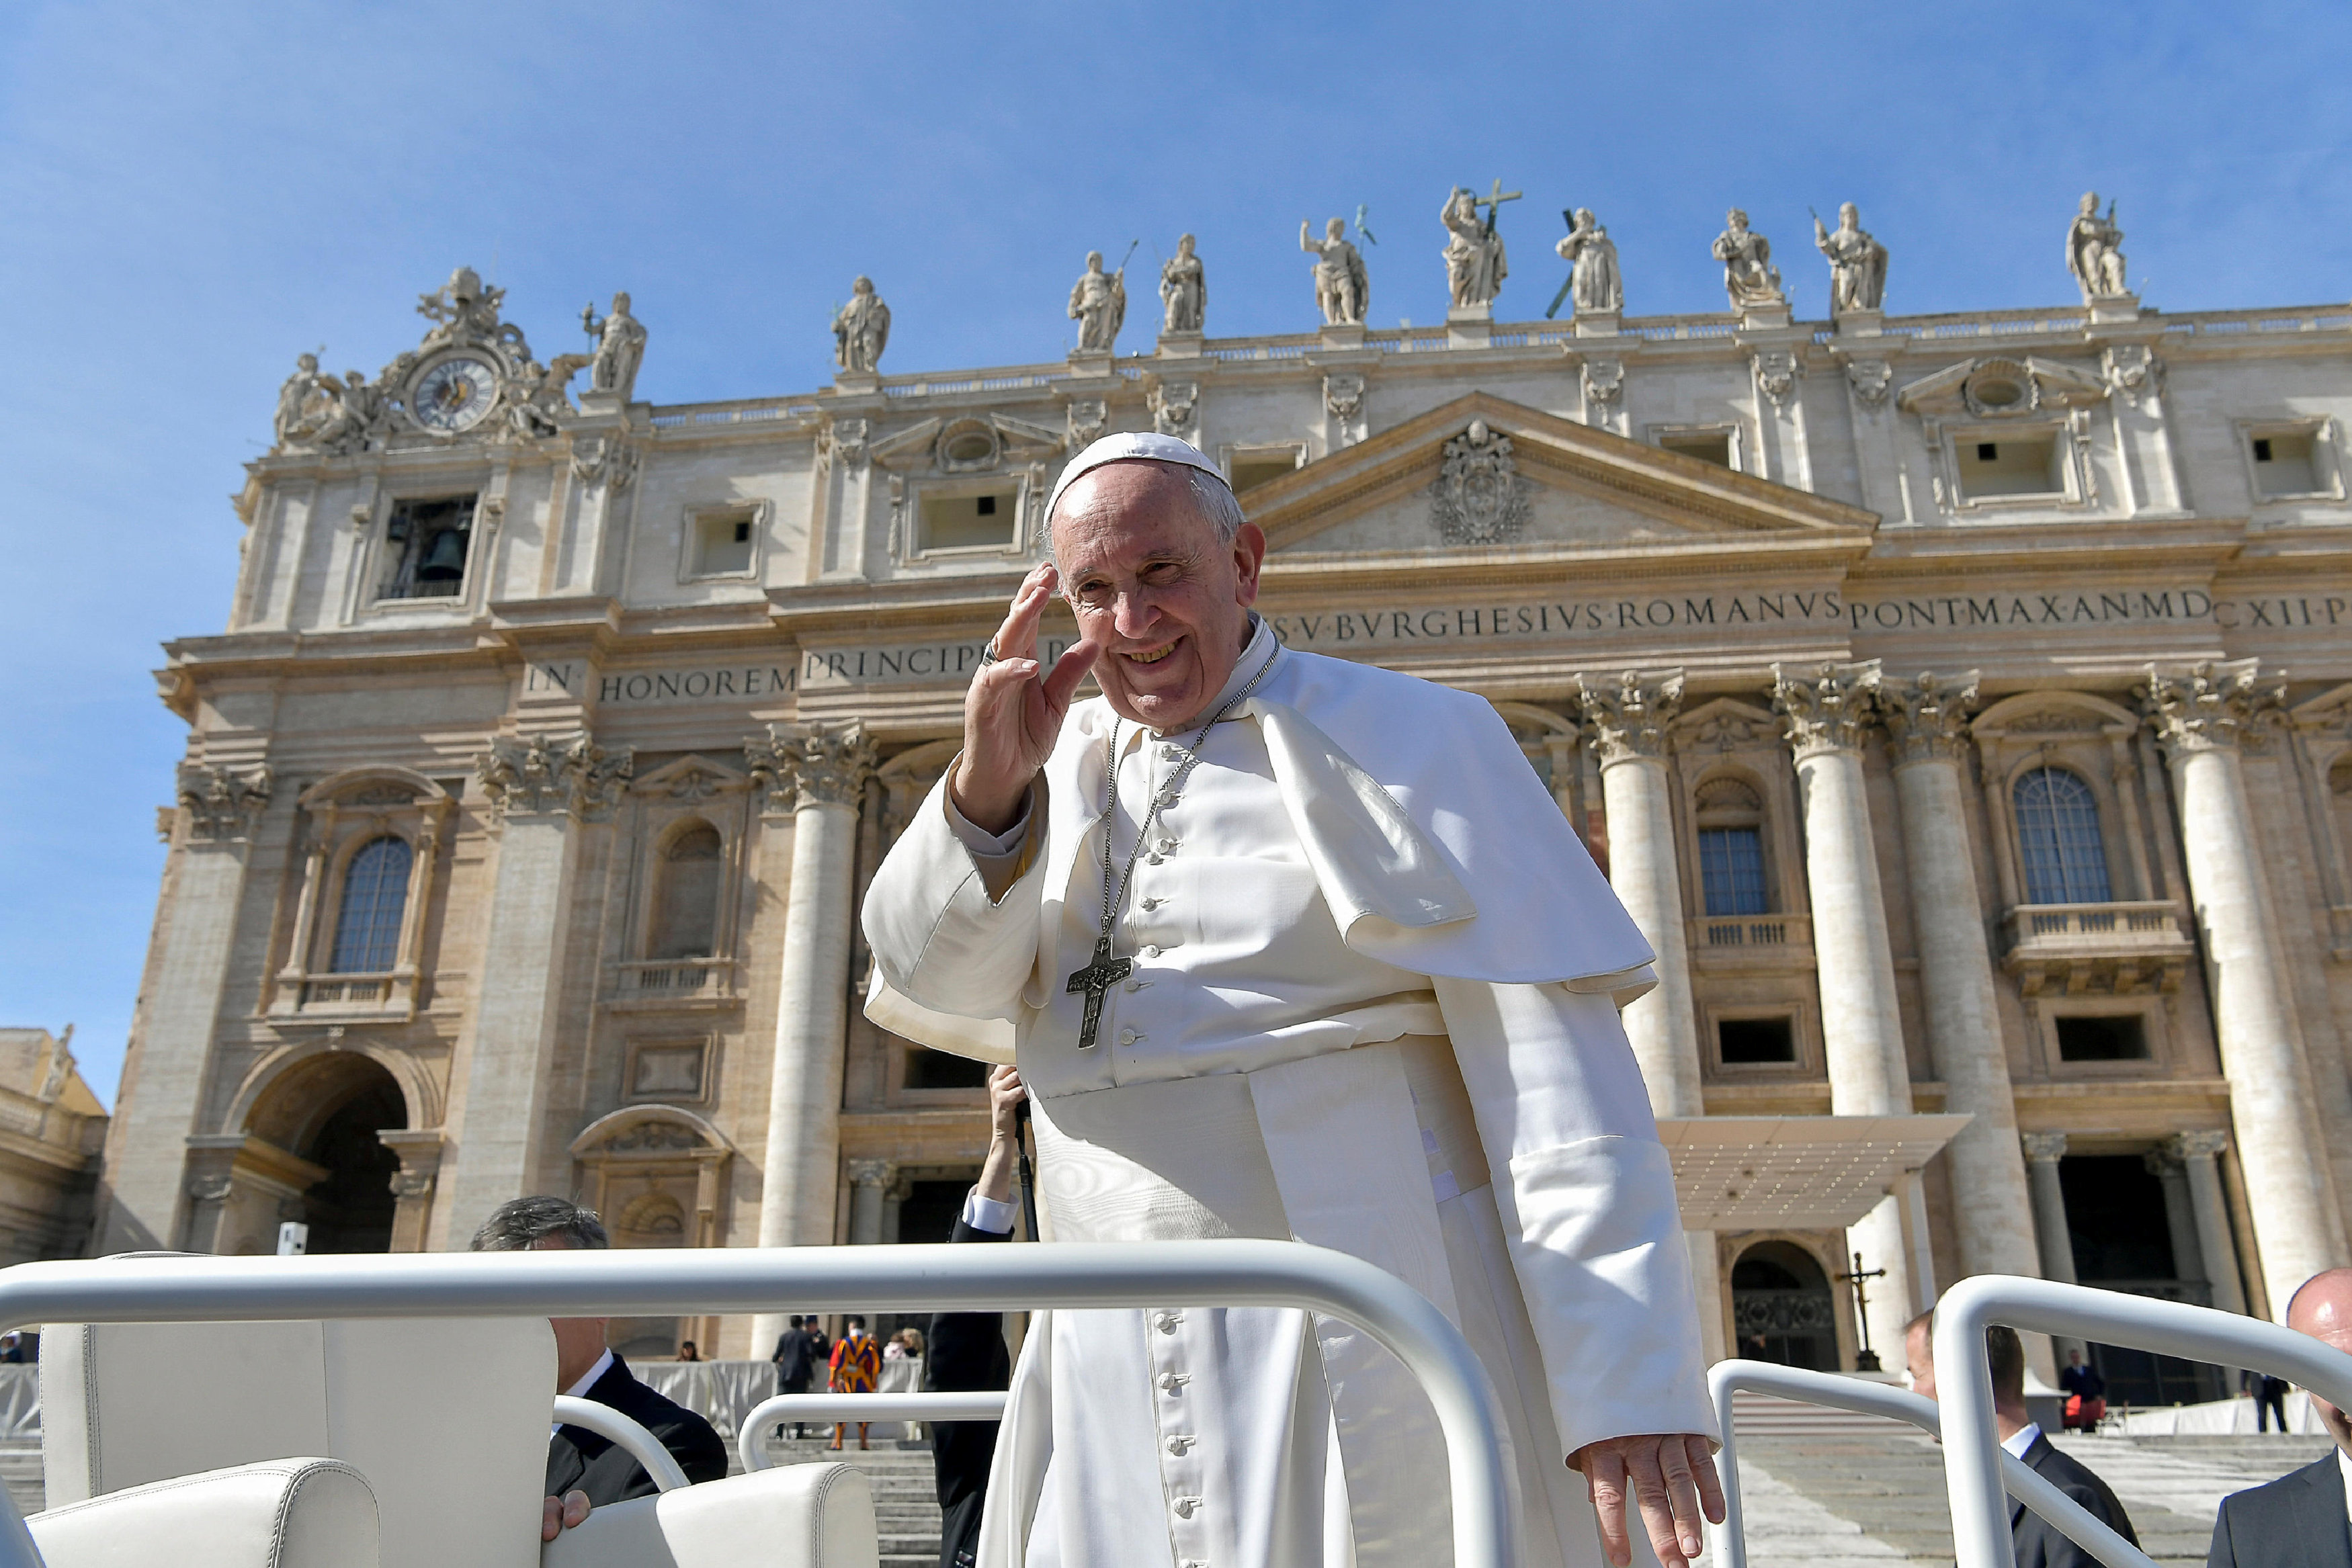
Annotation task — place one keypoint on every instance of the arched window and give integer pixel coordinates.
(685, 894)
(375, 892)
(2058, 839)
(1731, 848)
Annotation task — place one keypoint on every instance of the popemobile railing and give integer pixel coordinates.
(666, 1283)
(1863, 1397)
(1972, 1452)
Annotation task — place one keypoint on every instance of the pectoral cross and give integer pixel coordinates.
(1096, 979)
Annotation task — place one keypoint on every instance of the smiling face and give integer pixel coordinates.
(1151, 582)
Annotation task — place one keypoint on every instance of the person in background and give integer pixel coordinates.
(584, 1469)
(686, 1352)
(857, 1367)
(2299, 1520)
(2269, 1399)
(796, 1360)
(2037, 1542)
(2086, 1394)
(966, 1351)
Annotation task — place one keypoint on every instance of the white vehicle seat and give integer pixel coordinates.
(795, 1516)
(280, 1513)
(445, 1418)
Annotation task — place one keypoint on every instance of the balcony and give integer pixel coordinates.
(2096, 949)
(1751, 941)
(669, 984)
(387, 995)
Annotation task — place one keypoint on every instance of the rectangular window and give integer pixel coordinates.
(1252, 469)
(1707, 446)
(425, 548)
(2283, 464)
(722, 542)
(1746, 1042)
(2114, 1038)
(1731, 871)
(2021, 464)
(982, 520)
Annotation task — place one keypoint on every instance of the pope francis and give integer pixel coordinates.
(1285, 946)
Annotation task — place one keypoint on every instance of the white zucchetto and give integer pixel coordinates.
(1128, 448)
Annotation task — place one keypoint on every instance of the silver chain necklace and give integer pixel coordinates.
(1103, 971)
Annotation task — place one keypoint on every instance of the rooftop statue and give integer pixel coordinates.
(1184, 290)
(1857, 262)
(2095, 250)
(861, 329)
(1475, 265)
(1592, 254)
(620, 348)
(1342, 290)
(1749, 276)
(1098, 304)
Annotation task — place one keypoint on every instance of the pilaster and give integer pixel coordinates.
(538, 790)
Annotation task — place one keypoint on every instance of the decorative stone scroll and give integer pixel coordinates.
(1828, 710)
(795, 766)
(1927, 715)
(1479, 498)
(1175, 408)
(2212, 706)
(222, 806)
(550, 775)
(1633, 716)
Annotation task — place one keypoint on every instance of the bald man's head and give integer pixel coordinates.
(2322, 1308)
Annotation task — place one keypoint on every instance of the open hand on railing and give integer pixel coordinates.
(1673, 1477)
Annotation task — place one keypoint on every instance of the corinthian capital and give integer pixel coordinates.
(1927, 715)
(1629, 716)
(818, 764)
(2213, 706)
(554, 774)
(2043, 1145)
(1829, 709)
(222, 806)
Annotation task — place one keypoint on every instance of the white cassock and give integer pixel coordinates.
(1373, 1008)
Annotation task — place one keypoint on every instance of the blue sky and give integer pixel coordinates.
(190, 196)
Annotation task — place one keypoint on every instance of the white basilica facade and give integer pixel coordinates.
(1961, 704)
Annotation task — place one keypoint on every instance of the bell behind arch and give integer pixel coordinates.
(445, 558)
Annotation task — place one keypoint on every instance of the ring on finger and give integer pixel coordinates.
(988, 653)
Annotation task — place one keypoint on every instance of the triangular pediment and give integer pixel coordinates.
(1481, 475)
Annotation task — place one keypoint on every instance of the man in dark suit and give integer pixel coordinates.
(583, 1468)
(2299, 1520)
(2037, 1542)
(796, 1360)
(966, 1350)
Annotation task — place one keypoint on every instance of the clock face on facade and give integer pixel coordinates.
(455, 393)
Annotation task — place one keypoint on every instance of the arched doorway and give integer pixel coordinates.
(329, 1109)
(1782, 1309)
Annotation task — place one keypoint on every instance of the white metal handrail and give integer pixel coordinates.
(648, 1282)
(1727, 1378)
(628, 1432)
(1964, 1380)
(984, 1405)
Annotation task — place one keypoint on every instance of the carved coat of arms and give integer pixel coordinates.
(1479, 498)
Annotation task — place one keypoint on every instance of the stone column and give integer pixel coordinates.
(869, 1193)
(2055, 1241)
(1828, 713)
(1629, 717)
(2204, 718)
(144, 1196)
(1926, 724)
(818, 772)
(539, 789)
(2209, 1211)
(2179, 1220)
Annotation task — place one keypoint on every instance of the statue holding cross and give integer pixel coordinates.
(1475, 265)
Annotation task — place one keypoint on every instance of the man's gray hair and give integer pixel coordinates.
(1212, 498)
(523, 1223)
